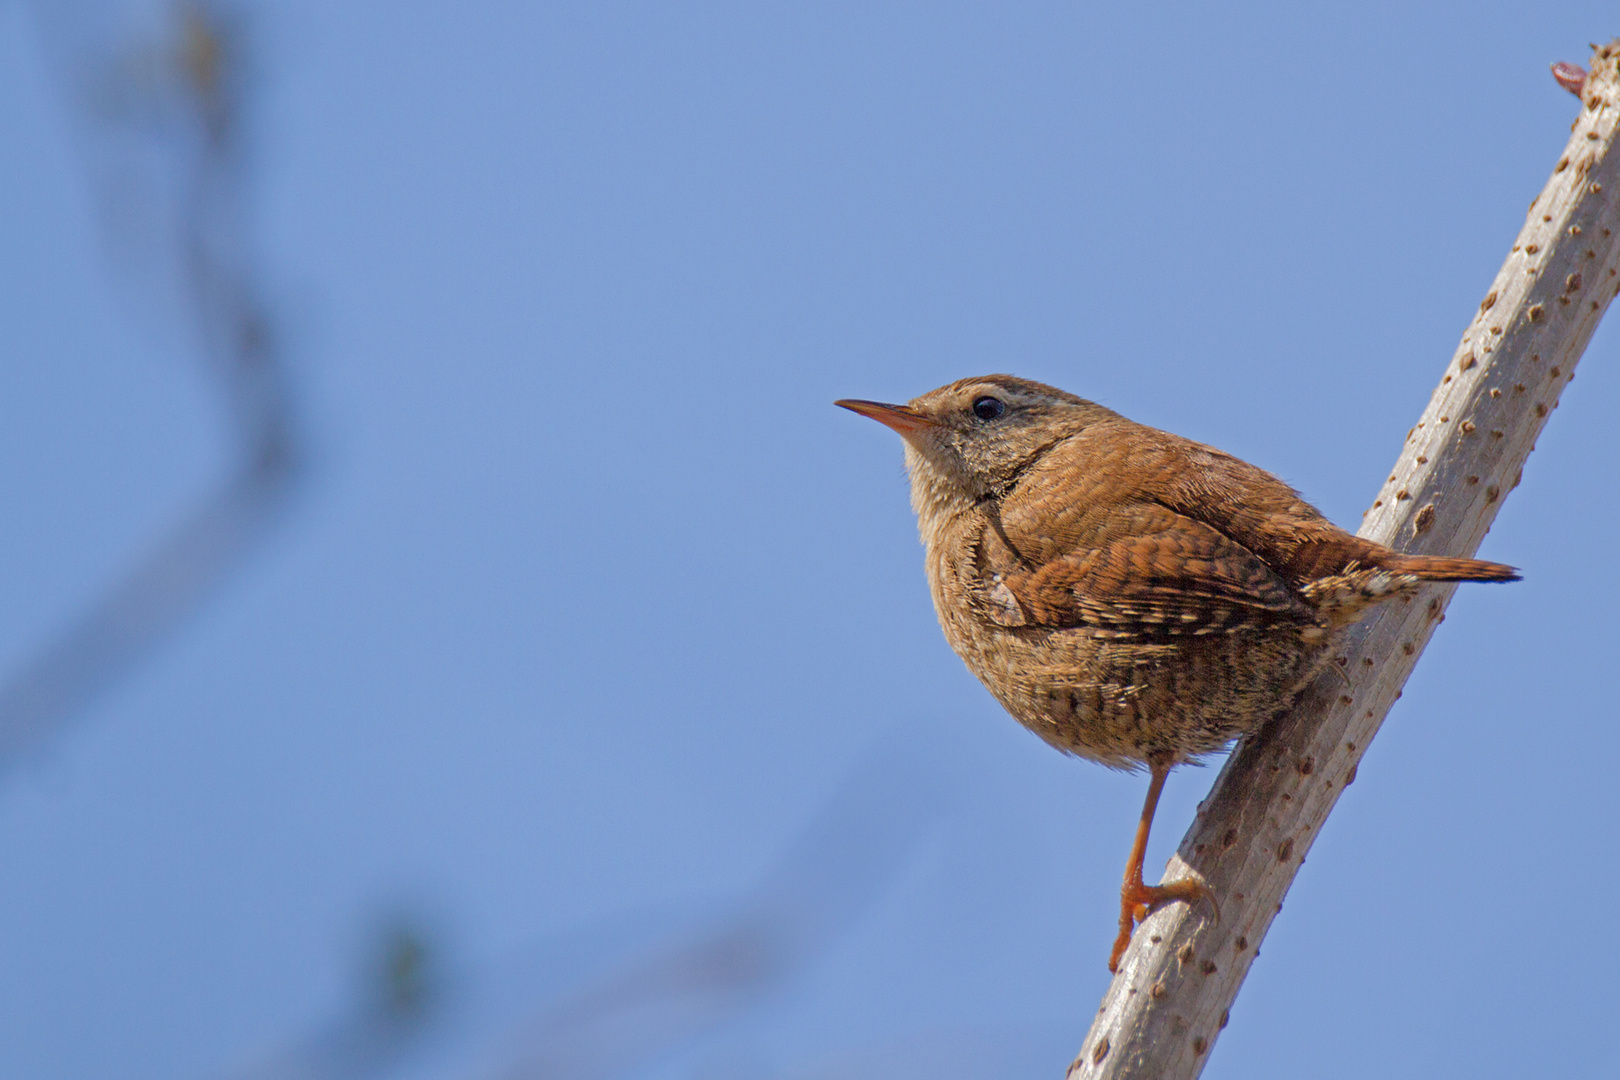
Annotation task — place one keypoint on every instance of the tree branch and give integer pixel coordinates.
(1166, 1007)
(185, 116)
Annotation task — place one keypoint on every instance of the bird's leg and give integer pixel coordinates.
(1137, 900)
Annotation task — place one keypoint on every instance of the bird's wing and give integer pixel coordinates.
(1072, 500)
(1144, 570)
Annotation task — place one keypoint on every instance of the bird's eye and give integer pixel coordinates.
(988, 408)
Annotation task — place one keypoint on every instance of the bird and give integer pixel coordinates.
(1132, 597)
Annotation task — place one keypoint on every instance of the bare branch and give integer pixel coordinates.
(625, 1008)
(181, 105)
(1164, 1011)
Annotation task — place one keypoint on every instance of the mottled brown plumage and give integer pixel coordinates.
(1130, 596)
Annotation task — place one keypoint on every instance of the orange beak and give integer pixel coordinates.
(899, 417)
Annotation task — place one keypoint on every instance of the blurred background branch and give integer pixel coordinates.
(159, 97)
(630, 1001)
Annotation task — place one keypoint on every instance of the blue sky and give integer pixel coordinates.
(591, 601)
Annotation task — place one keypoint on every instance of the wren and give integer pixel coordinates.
(1130, 596)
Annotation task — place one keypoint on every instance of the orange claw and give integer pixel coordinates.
(1137, 901)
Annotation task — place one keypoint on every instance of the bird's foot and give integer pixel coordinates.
(1137, 901)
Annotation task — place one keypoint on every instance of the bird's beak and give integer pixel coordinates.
(901, 418)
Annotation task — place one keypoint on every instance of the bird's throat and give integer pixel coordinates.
(939, 499)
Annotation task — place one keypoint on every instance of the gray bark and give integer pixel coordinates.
(1165, 1009)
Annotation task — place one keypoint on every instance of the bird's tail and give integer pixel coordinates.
(1438, 568)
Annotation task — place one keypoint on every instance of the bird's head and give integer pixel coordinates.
(972, 439)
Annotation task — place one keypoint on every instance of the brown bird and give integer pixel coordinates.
(1130, 596)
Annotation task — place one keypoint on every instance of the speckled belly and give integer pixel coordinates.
(1122, 701)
